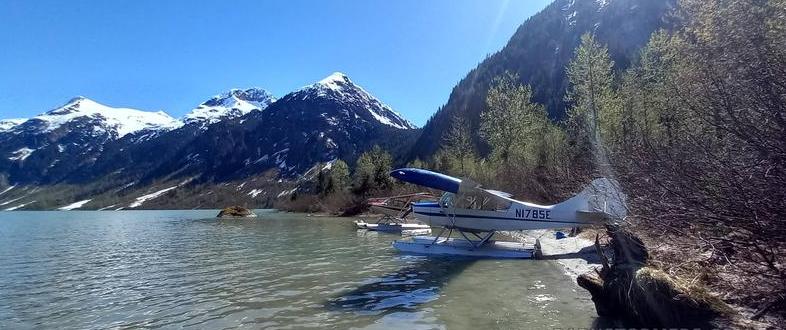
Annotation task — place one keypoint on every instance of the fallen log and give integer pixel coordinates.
(643, 296)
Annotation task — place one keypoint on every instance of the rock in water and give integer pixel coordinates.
(236, 212)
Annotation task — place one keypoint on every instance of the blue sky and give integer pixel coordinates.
(173, 55)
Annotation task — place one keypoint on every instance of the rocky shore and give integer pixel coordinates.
(657, 299)
(576, 254)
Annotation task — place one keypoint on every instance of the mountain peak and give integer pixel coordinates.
(340, 90)
(335, 79)
(231, 104)
(76, 99)
(122, 120)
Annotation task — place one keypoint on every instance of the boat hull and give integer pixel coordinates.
(395, 227)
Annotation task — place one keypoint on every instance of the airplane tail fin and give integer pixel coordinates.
(602, 199)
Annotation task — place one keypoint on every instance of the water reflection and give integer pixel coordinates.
(419, 282)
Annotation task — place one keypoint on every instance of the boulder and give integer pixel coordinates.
(236, 212)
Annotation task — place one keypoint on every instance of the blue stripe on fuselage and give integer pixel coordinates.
(431, 214)
(425, 204)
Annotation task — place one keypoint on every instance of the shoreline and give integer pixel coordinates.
(576, 254)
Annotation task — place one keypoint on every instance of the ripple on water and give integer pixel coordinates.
(164, 269)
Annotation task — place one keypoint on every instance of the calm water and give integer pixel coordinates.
(172, 269)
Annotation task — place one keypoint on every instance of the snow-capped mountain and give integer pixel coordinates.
(232, 104)
(118, 122)
(330, 119)
(51, 146)
(338, 87)
(236, 134)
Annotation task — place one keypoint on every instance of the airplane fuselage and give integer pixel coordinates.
(518, 216)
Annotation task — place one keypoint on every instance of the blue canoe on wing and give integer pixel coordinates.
(427, 178)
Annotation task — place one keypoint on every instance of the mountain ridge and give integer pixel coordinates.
(36, 149)
(539, 52)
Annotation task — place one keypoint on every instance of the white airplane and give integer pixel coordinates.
(472, 210)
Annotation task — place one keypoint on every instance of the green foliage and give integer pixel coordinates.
(538, 53)
(651, 110)
(525, 145)
(458, 156)
(595, 112)
(417, 163)
(512, 123)
(372, 170)
(339, 176)
(699, 144)
(591, 93)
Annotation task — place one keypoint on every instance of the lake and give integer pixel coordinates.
(172, 269)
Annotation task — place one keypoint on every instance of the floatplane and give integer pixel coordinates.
(476, 214)
(394, 211)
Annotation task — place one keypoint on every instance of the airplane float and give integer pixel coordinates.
(477, 214)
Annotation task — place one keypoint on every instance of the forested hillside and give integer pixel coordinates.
(538, 53)
(693, 127)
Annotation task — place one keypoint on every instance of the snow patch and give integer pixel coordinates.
(286, 192)
(11, 201)
(142, 199)
(21, 154)
(253, 193)
(19, 206)
(8, 124)
(7, 189)
(76, 205)
(571, 18)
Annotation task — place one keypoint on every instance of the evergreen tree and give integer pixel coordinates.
(373, 170)
(594, 115)
(339, 176)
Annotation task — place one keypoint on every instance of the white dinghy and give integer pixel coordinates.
(395, 210)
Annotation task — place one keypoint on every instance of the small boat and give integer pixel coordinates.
(394, 210)
(391, 225)
(398, 206)
(360, 224)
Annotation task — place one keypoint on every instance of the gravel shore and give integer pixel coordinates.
(576, 254)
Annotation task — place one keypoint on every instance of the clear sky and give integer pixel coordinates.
(173, 55)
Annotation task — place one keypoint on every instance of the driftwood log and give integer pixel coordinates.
(627, 289)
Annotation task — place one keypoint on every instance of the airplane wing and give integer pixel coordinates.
(499, 193)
